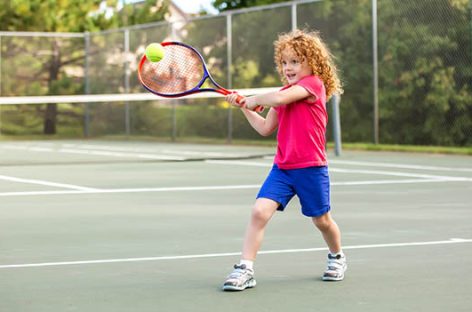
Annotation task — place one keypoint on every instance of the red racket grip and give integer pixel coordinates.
(239, 99)
(258, 108)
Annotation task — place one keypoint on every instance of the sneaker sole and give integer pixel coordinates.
(249, 284)
(334, 279)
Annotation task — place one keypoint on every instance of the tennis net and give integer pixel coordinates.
(203, 117)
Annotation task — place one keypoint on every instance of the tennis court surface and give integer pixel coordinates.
(145, 226)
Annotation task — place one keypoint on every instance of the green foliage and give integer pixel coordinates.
(141, 13)
(254, 50)
(209, 37)
(56, 15)
(77, 15)
(424, 46)
(424, 67)
(425, 72)
(346, 28)
(55, 65)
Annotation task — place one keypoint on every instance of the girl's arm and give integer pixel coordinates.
(264, 126)
(278, 98)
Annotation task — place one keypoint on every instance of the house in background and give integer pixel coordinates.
(175, 15)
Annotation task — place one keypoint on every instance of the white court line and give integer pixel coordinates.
(133, 190)
(239, 163)
(231, 254)
(400, 174)
(147, 150)
(373, 172)
(118, 154)
(214, 187)
(47, 183)
(421, 178)
(404, 181)
(110, 151)
(393, 165)
(105, 153)
(401, 166)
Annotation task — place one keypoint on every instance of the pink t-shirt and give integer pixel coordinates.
(302, 128)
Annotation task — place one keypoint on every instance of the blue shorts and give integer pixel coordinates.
(311, 185)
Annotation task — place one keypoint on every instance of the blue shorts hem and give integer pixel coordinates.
(317, 213)
(281, 203)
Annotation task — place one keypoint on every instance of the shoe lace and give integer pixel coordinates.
(238, 271)
(335, 262)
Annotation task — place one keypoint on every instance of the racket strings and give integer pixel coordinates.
(180, 70)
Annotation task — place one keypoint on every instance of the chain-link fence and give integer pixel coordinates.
(406, 65)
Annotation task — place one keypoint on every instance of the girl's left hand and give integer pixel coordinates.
(251, 103)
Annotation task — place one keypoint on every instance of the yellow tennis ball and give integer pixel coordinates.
(154, 52)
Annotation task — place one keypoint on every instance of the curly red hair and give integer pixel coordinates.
(309, 45)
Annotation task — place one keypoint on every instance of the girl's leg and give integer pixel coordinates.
(330, 232)
(242, 276)
(336, 266)
(262, 211)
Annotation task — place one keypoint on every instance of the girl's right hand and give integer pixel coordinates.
(235, 99)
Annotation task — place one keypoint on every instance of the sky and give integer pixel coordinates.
(193, 6)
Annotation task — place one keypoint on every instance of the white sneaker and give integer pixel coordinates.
(336, 267)
(240, 279)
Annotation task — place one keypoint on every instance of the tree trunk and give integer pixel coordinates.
(50, 116)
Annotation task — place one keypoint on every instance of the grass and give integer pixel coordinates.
(409, 148)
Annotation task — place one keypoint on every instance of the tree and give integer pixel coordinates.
(424, 63)
(425, 72)
(41, 68)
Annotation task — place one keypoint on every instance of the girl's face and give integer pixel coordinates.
(294, 68)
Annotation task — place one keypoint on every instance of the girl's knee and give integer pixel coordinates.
(260, 213)
(263, 209)
(323, 222)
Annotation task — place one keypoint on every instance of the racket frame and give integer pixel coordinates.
(197, 88)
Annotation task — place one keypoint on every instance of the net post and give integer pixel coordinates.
(229, 79)
(294, 16)
(470, 25)
(335, 100)
(375, 73)
(126, 81)
(86, 84)
(0, 65)
(0, 83)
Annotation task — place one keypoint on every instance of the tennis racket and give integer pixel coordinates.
(182, 71)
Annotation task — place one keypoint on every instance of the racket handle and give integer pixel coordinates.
(258, 109)
(239, 99)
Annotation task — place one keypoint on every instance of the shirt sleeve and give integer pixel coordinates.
(313, 85)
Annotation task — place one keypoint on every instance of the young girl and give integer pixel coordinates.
(298, 110)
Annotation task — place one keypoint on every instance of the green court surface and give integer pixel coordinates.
(141, 226)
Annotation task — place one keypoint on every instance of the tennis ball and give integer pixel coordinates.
(154, 52)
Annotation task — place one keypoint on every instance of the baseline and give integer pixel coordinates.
(228, 254)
